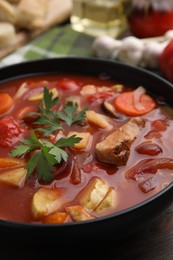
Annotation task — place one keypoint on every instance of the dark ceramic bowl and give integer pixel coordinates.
(122, 224)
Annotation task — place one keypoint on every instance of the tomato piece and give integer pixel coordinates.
(100, 96)
(10, 131)
(6, 102)
(166, 61)
(68, 85)
(125, 104)
(150, 24)
(38, 84)
(75, 177)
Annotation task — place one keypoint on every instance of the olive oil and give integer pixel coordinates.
(98, 17)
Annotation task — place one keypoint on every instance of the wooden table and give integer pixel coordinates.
(154, 242)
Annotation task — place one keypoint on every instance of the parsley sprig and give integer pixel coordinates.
(50, 119)
(46, 116)
(44, 155)
(70, 115)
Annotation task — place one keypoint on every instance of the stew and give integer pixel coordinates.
(78, 147)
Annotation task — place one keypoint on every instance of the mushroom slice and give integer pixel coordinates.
(108, 107)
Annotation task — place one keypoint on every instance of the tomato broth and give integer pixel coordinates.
(77, 174)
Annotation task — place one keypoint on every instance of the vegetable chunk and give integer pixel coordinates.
(56, 218)
(78, 213)
(86, 137)
(97, 195)
(98, 119)
(39, 96)
(108, 201)
(45, 201)
(14, 177)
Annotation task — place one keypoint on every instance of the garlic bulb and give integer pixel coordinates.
(132, 50)
(104, 46)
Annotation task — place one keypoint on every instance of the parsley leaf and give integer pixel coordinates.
(46, 117)
(69, 141)
(49, 119)
(69, 113)
(48, 102)
(45, 154)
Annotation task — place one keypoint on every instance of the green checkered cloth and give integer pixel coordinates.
(58, 41)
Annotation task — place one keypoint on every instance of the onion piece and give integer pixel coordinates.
(137, 93)
(149, 166)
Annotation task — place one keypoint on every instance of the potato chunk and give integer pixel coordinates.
(45, 201)
(78, 213)
(93, 194)
(14, 177)
(39, 96)
(88, 90)
(109, 201)
(98, 119)
(86, 137)
(97, 195)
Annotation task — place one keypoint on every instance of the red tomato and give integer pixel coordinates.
(150, 24)
(100, 96)
(166, 62)
(10, 131)
(68, 84)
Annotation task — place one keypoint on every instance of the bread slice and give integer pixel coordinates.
(7, 12)
(7, 34)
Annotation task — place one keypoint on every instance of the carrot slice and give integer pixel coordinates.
(56, 217)
(125, 103)
(6, 102)
(9, 162)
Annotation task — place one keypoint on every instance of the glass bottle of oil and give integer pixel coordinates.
(98, 17)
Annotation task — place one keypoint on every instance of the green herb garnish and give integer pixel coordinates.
(45, 154)
(50, 119)
(70, 115)
(46, 117)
